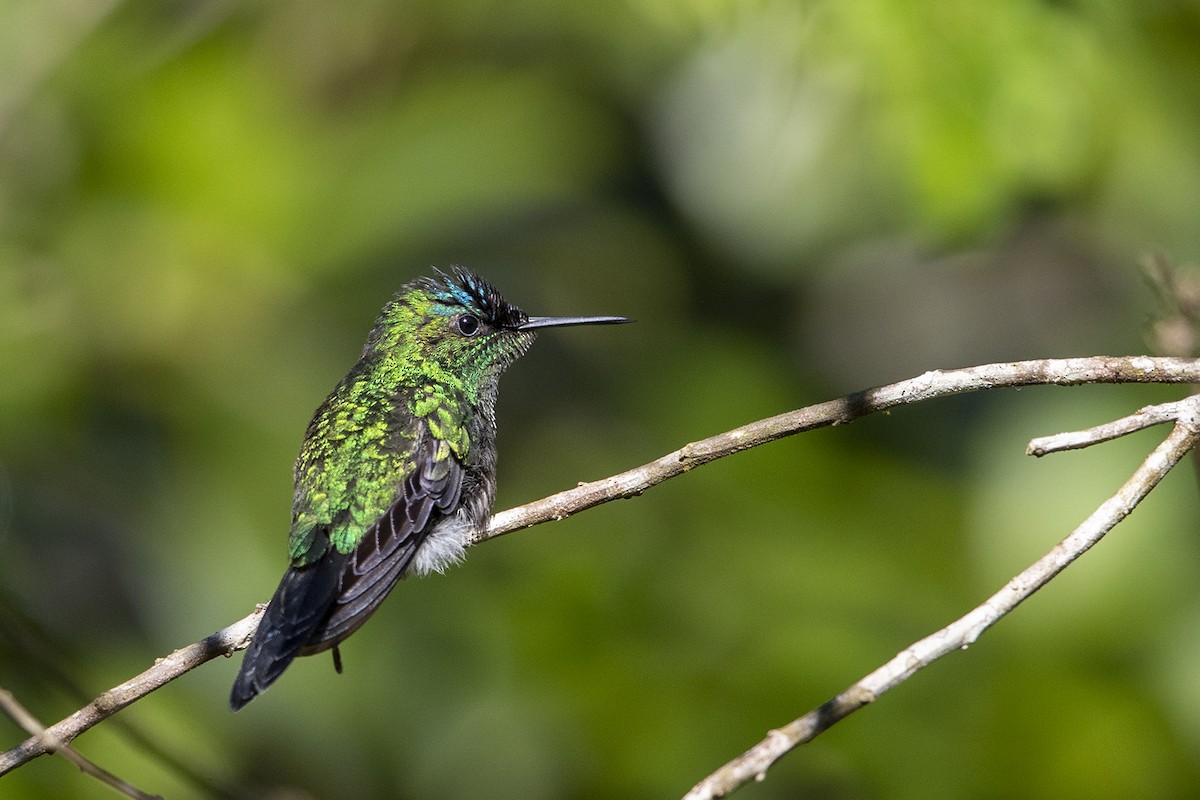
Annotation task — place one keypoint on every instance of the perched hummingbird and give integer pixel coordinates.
(398, 467)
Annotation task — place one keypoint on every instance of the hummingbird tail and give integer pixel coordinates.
(299, 606)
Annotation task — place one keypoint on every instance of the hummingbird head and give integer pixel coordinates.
(458, 324)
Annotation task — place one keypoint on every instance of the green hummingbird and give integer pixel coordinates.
(398, 467)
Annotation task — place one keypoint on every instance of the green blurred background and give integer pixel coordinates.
(204, 204)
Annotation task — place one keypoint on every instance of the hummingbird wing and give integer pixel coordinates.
(321, 602)
(430, 493)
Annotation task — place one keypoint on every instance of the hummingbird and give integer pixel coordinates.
(398, 467)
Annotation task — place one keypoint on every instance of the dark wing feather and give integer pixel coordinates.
(318, 605)
(429, 494)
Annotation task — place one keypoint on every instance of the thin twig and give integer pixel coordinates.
(753, 764)
(222, 643)
(32, 646)
(937, 383)
(20, 715)
(1074, 440)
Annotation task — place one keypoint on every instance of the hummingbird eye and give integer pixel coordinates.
(466, 325)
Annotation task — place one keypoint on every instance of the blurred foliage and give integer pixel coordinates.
(203, 205)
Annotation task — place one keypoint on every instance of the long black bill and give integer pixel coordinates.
(562, 322)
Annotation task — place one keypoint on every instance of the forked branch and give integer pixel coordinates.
(963, 632)
(18, 714)
(938, 383)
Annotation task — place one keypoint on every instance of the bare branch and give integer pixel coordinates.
(937, 383)
(20, 715)
(753, 764)
(222, 643)
(1074, 440)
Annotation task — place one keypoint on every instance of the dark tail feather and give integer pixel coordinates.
(299, 606)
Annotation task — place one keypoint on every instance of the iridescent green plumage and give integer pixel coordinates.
(397, 468)
(415, 378)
